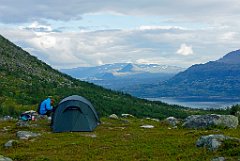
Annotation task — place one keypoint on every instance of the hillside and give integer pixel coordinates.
(219, 78)
(25, 81)
(120, 76)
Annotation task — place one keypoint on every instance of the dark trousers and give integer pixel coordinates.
(49, 113)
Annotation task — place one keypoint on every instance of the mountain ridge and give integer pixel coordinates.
(123, 75)
(220, 78)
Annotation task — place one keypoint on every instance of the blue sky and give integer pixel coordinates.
(89, 33)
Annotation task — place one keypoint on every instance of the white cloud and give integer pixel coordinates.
(145, 44)
(160, 28)
(228, 36)
(210, 11)
(44, 42)
(37, 27)
(185, 50)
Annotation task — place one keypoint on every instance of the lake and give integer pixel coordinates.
(199, 102)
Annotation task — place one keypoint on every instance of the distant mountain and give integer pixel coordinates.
(231, 58)
(123, 75)
(220, 78)
(25, 81)
(128, 68)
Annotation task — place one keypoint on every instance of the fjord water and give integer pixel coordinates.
(199, 102)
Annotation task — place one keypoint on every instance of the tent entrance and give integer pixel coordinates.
(73, 118)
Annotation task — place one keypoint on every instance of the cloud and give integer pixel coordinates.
(185, 50)
(214, 11)
(37, 27)
(161, 28)
(142, 44)
(228, 36)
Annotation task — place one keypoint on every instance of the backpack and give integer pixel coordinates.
(25, 117)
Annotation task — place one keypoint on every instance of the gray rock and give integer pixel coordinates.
(90, 135)
(21, 123)
(2, 158)
(153, 119)
(10, 143)
(213, 142)
(127, 115)
(237, 114)
(113, 116)
(205, 121)
(5, 129)
(7, 118)
(147, 126)
(172, 121)
(218, 159)
(25, 135)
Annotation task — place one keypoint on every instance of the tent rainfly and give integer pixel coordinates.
(74, 113)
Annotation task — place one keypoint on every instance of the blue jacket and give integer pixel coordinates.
(45, 106)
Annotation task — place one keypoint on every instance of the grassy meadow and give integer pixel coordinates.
(114, 140)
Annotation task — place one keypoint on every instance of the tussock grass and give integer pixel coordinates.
(116, 140)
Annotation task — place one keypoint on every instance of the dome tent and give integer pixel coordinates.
(74, 113)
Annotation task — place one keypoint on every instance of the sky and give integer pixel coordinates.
(74, 33)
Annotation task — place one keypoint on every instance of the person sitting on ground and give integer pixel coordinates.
(46, 107)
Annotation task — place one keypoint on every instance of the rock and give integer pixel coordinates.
(147, 126)
(21, 123)
(25, 135)
(237, 114)
(127, 115)
(10, 143)
(5, 129)
(125, 121)
(219, 159)
(172, 121)
(90, 135)
(2, 158)
(214, 141)
(153, 119)
(7, 118)
(205, 121)
(113, 116)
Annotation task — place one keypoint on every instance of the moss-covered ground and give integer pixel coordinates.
(114, 140)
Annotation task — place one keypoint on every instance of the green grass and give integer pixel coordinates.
(116, 140)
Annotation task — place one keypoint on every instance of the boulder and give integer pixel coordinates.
(10, 143)
(172, 121)
(5, 129)
(7, 118)
(90, 135)
(214, 141)
(147, 126)
(127, 115)
(2, 158)
(21, 123)
(219, 159)
(113, 116)
(237, 114)
(25, 135)
(205, 121)
(153, 119)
